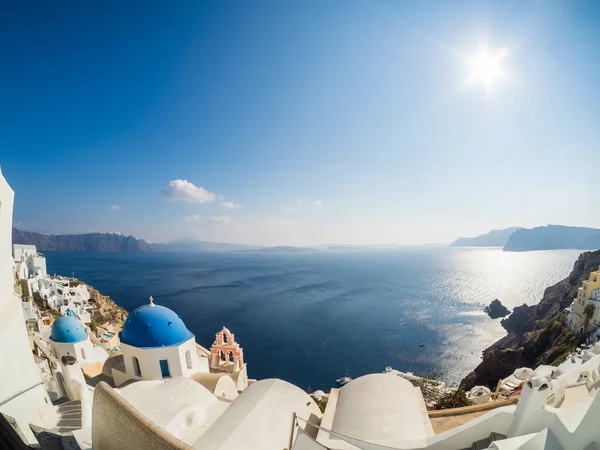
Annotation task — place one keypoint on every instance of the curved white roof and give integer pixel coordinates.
(179, 405)
(381, 408)
(260, 418)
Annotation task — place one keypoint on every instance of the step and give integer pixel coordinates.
(481, 444)
(497, 436)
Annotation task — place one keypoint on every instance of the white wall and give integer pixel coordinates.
(34, 264)
(23, 250)
(75, 349)
(242, 381)
(38, 265)
(21, 379)
(176, 355)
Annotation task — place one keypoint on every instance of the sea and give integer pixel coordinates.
(312, 317)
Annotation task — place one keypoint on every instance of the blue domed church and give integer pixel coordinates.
(68, 338)
(157, 345)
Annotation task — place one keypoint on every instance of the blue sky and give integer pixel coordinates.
(337, 121)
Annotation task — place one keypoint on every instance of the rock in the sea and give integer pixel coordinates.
(496, 309)
(536, 334)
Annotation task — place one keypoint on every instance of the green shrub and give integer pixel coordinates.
(452, 399)
(320, 403)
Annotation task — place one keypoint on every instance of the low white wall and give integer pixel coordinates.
(31, 407)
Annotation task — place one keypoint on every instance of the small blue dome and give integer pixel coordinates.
(67, 329)
(154, 326)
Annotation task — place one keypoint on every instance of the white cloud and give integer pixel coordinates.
(306, 201)
(288, 210)
(183, 190)
(230, 205)
(194, 218)
(222, 219)
(115, 207)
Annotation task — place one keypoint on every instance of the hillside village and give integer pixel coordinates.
(81, 373)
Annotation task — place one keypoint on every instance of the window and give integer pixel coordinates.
(136, 367)
(164, 368)
(188, 359)
(83, 353)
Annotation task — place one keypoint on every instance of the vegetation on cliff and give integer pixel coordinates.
(536, 334)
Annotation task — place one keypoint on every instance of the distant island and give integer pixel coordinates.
(115, 243)
(88, 242)
(280, 249)
(514, 239)
(553, 237)
(495, 238)
(549, 237)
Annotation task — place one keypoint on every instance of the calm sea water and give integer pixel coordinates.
(310, 318)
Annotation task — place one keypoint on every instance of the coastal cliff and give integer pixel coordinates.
(495, 238)
(536, 334)
(88, 242)
(110, 316)
(553, 237)
(116, 243)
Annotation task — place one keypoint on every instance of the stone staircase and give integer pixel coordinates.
(482, 444)
(69, 417)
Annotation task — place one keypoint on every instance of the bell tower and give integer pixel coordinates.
(226, 354)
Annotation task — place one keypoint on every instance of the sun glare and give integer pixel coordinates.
(486, 67)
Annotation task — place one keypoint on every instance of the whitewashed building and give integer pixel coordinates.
(157, 345)
(68, 338)
(61, 293)
(28, 262)
(22, 393)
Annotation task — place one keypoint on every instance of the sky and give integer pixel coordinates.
(300, 122)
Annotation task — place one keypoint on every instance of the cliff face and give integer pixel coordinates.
(536, 334)
(495, 238)
(89, 242)
(110, 316)
(553, 237)
(116, 243)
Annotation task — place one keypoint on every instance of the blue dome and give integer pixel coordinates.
(154, 326)
(67, 329)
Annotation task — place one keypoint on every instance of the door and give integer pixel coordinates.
(164, 368)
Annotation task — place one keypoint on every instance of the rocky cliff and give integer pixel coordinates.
(116, 243)
(109, 316)
(552, 237)
(536, 334)
(88, 242)
(495, 238)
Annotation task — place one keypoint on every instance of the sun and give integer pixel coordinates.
(487, 67)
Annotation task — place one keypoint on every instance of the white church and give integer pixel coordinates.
(166, 391)
(68, 338)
